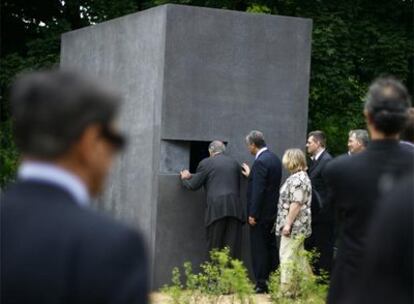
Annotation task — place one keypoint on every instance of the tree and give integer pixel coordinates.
(353, 42)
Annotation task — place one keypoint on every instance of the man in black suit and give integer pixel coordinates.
(262, 197)
(357, 183)
(388, 271)
(220, 176)
(54, 248)
(322, 238)
(407, 134)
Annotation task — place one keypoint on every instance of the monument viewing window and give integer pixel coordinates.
(177, 155)
(198, 151)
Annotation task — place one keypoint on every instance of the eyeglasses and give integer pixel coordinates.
(117, 140)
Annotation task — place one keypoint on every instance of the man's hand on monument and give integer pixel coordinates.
(185, 174)
(245, 169)
(252, 221)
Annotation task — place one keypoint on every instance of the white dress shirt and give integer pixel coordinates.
(260, 152)
(50, 173)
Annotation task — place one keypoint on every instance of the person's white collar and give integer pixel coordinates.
(407, 143)
(316, 157)
(260, 152)
(43, 171)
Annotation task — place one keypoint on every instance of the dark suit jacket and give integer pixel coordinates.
(321, 210)
(357, 183)
(54, 251)
(388, 270)
(220, 176)
(263, 187)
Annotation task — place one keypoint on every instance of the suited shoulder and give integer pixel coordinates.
(41, 208)
(95, 224)
(339, 163)
(268, 155)
(326, 155)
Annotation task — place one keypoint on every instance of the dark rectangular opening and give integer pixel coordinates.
(198, 151)
(177, 155)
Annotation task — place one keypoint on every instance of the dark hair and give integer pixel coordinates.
(387, 102)
(408, 131)
(256, 138)
(51, 109)
(319, 136)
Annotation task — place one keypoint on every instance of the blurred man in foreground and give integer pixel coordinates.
(407, 134)
(357, 183)
(54, 248)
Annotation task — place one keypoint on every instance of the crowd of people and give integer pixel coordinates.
(326, 204)
(361, 203)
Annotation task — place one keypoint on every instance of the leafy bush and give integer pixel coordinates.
(304, 288)
(220, 276)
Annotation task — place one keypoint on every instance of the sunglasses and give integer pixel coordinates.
(117, 140)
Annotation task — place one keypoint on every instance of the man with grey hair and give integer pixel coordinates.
(55, 249)
(357, 141)
(262, 196)
(220, 176)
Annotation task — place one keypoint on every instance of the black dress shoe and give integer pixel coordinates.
(260, 290)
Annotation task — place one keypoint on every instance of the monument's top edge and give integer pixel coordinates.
(150, 11)
(234, 12)
(170, 8)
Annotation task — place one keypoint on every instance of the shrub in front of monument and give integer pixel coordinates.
(303, 287)
(221, 280)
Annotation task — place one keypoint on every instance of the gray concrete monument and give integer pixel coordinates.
(189, 75)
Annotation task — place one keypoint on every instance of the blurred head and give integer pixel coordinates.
(386, 106)
(316, 142)
(357, 140)
(216, 147)
(63, 118)
(407, 133)
(255, 141)
(294, 160)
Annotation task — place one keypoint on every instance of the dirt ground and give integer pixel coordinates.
(160, 298)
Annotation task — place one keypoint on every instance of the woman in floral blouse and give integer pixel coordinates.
(293, 222)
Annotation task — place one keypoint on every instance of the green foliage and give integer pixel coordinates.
(304, 288)
(222, 275)
(8, 154)
(258, 8)
(353, 42)
(176, 289)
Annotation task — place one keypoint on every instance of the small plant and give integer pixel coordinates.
(175, 290)
(303, 286)
(220, 276)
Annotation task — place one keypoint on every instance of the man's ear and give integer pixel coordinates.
(368, 117)
(87, 143)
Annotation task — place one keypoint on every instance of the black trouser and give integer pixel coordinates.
(225, 232)
(265, 253)
(322, 239)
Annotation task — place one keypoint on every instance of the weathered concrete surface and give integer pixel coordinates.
(191, 74)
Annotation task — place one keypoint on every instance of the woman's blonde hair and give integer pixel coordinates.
(294, 160)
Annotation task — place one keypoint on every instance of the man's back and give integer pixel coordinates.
(263, 186)
(223, 176)
(321, 211)
(357, 183)
(54, 251)
(220, 176)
